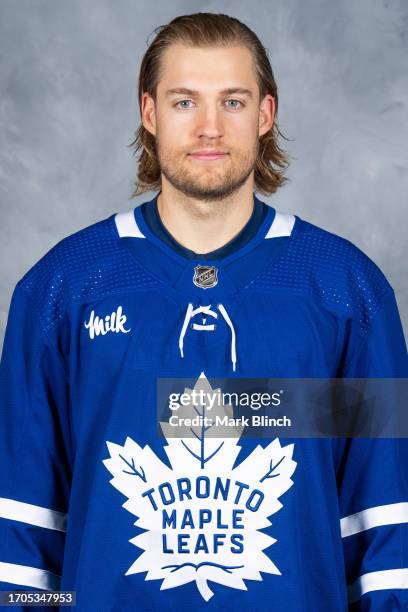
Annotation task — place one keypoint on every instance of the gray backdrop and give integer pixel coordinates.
(68, 109)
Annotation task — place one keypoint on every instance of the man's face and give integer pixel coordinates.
(207, 118)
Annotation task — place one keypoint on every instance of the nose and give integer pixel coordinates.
(209, 122)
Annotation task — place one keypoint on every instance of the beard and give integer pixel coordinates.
(202, 180)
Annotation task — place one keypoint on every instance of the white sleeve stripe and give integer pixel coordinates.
(33, 515)
(282, 225)
(377, 516)
(378, 581)
(127, 226)
(29, 576)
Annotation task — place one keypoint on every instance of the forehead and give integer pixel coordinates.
(207, 69)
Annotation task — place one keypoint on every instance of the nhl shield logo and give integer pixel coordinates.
(205, 276)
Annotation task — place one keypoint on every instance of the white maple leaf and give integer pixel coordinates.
(202, 517)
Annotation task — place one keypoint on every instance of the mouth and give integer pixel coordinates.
(208, 156)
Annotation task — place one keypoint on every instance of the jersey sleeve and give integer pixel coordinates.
(372, 479)
(35, 452)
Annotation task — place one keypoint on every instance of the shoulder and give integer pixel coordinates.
(336, 260)
(85, 265)
(331, 270)
(72, 252)
(332, 249)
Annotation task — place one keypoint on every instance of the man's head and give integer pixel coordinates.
(206, 84)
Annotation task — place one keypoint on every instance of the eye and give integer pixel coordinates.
(180, 102)
(238, 101)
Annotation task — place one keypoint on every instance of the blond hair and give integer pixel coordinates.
(208, 30)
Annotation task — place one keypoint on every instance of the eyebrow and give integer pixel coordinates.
(223, 92)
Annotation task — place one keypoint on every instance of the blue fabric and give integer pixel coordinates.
(78, 430)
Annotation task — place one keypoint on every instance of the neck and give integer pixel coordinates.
(204, 226)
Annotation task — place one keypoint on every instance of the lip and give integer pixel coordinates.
(208, 155)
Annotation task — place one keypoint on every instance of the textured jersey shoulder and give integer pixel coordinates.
(86, 265)
(331, 270)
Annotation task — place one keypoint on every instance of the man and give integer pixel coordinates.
(202, 281)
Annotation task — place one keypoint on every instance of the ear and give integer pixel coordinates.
(266, 114)
(148, 113)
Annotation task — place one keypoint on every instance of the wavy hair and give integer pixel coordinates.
(208, 30)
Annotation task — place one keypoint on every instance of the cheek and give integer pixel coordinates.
(173, 131)
(168, 140)
(242, 130)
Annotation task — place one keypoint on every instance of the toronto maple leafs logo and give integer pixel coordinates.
(202, 517)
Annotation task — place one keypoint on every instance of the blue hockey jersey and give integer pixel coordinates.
(92, 500)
